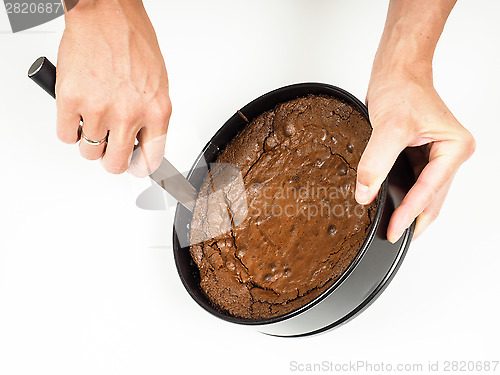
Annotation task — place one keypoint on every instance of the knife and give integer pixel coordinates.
(43, 73)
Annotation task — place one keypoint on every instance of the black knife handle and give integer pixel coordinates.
(43, 72)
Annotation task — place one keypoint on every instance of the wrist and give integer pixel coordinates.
(404, 50)
(392, 68)
(404, 55)
(394, 72)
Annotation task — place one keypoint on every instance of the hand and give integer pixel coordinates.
(408, 112)
(111, 73)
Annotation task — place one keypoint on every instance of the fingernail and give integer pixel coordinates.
(363, 193)
(394, 239)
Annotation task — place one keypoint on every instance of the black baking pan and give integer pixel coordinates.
(359, 285)
(368, 274)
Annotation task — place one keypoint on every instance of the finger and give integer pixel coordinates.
(68, 121)
(148, 156)
(93, 129)
(445, 158)
(431, 212)
(385, 144)
(119, 149)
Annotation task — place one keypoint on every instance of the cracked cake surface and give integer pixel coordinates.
(303, 227)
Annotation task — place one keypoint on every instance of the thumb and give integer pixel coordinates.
(385, 144)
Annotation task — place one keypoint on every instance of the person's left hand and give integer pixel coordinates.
(408, 112)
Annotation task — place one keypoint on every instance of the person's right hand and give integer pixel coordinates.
(111, 73)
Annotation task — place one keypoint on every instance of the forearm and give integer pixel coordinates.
(407, 112)
(82, 5)
(410, 36)
(114, 27)
(113, 11)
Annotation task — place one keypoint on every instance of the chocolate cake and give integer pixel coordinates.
(302, 227)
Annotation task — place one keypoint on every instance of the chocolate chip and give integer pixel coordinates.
(332, 229)
(289, 130)
(271, 142)
(342, 171)
(350, 147)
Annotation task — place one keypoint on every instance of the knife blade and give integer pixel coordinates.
(172, 181)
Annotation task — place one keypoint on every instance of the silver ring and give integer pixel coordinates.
(92, 142)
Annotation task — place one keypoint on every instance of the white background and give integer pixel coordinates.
(87, 280)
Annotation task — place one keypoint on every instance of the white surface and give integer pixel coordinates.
(87, 280)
